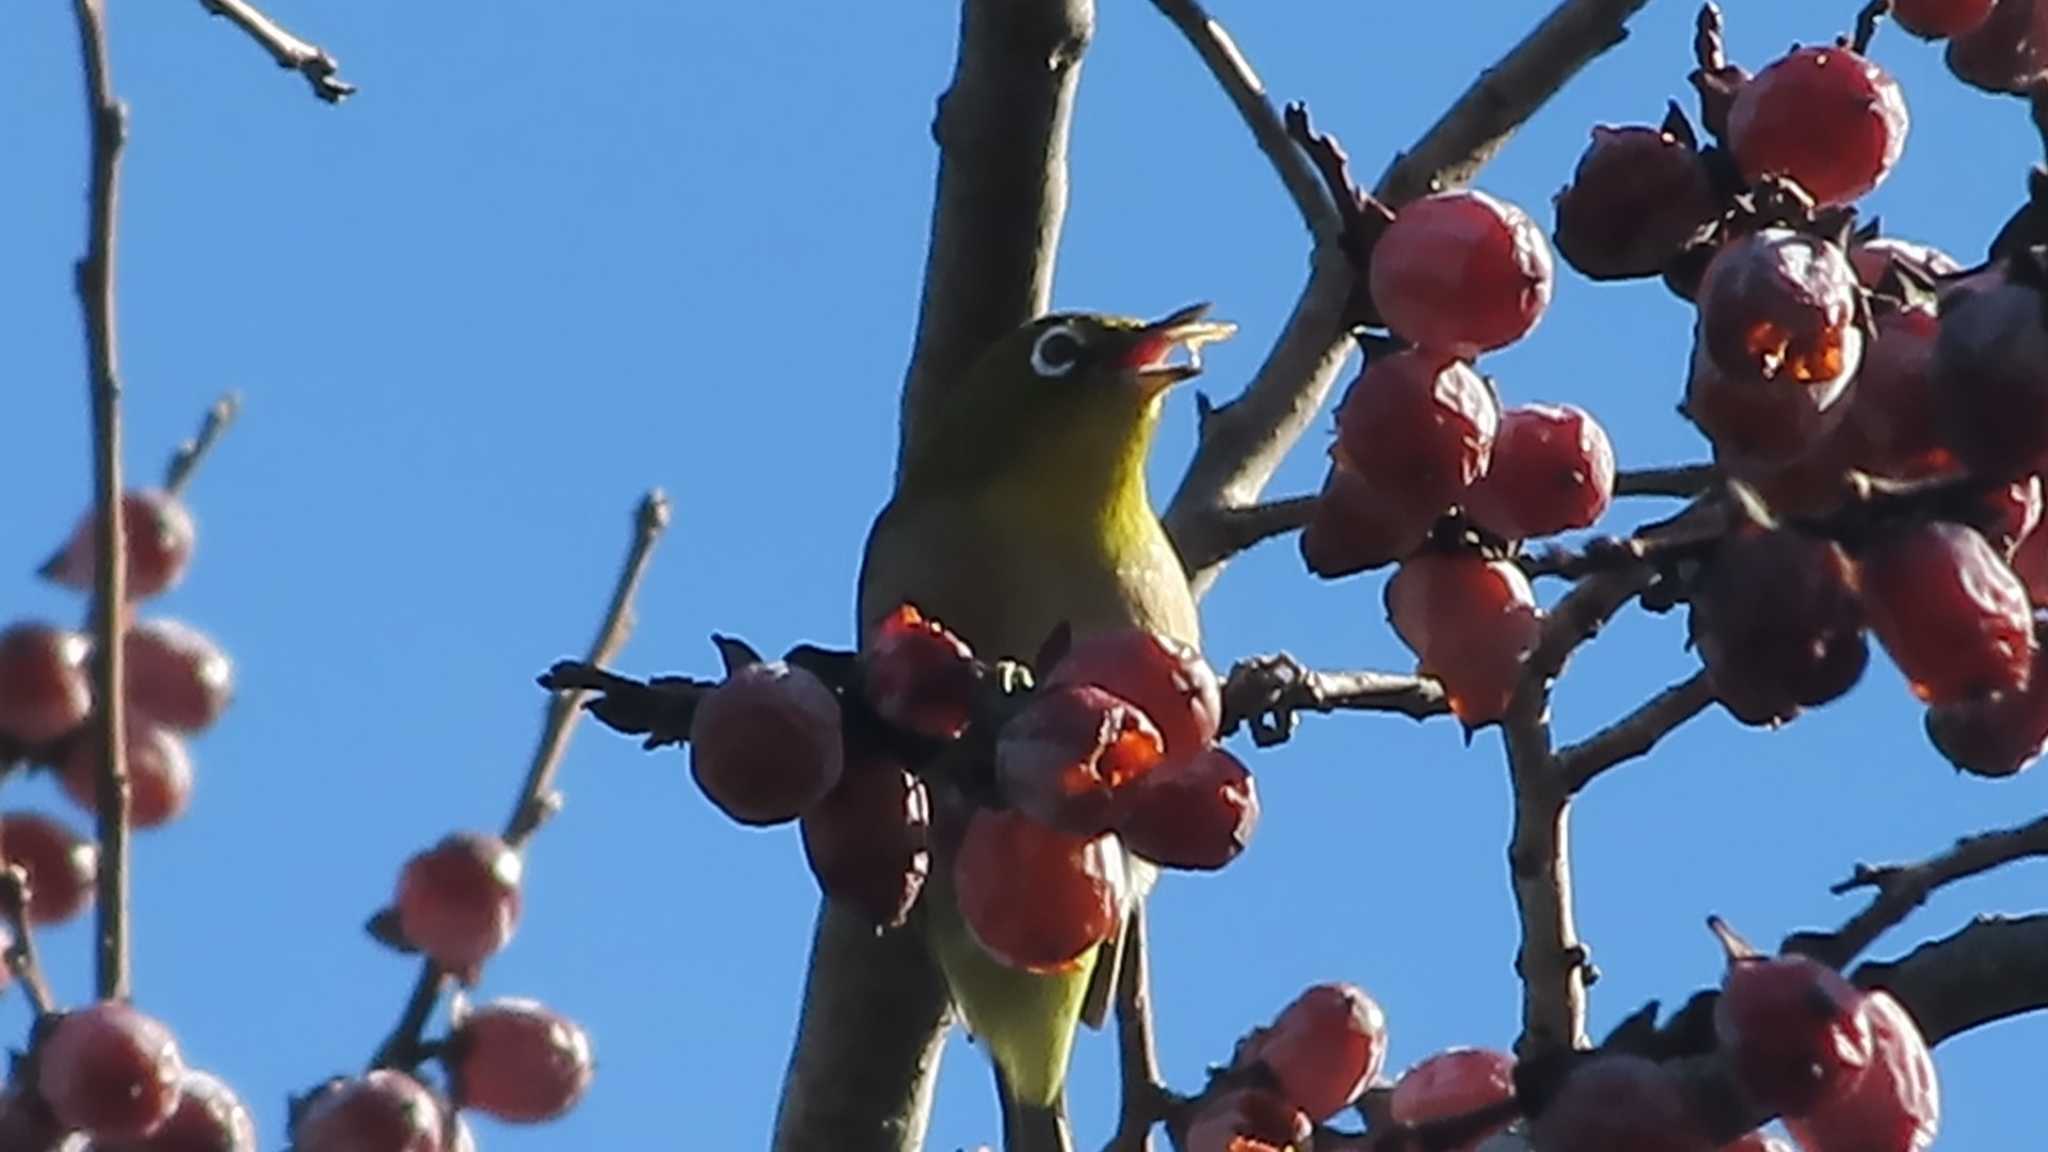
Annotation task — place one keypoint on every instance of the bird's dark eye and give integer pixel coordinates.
(1056, 352)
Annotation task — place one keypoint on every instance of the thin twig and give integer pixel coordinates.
(22, 961)
(1902, 888)
(1266, 693)
(1681, 481)
(290, 52)
(108, 127)
(1237, 529)
(1146, 1099)
(1867, 21)
(192, 453)
(1635, 734)
(537, 799)
(1234, 74)
(1505, 95)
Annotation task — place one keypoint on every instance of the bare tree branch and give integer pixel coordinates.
(1504, 96)
(1680, 481)
(192, 453)
(20, 952)
(1266, 693)
(1902, 888)
(1233, 530)
(1146, 1099)
(1991, 970)
(1635, 734)
(107, 122)
(290, 52)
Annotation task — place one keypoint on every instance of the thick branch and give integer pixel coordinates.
(1002, 187)
(1989, 971)
(290, 52)
(1902, 888)
(403, 1048)
(1504, 96)
(1267, 692)
(108, 127)
(1635, 734)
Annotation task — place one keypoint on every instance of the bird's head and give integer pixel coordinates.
(1070, 394)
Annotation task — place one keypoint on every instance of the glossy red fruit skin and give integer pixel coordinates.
(1779, 625)
(109, 1071)
(1792, 1030)
(1552, 471)
(45, 689)
(764, 745)
(458, 902)
(1166, 679)
(384, 1110)
(1639, 195)
(159, 535)
(1196, 812)
(159, 772)
(209, 1118)
(1461, 272)
(1894, 1106)
(1949, 611)
(176, 675)
(1776, 345)
(1247, 1120)
(1471, 623)
(1997, 735)
(1940, 19)
(868, 840)
(61, 865)
(1070, 758)
(1825, 117)
(1894, 414)
(1873, 258)
(919, 675)
(1035, 898)
(1618, 1101)
(1355, 527)
(1454, 1082)
(1418, 429)
(2007, 52)
(1990, 372)
(1323, 1049)
(519, 1061)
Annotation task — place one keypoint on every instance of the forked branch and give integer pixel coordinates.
(309, 60)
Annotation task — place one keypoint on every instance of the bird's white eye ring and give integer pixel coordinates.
(1056, 351)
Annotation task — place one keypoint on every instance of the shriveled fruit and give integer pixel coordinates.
(518, 1060)
(158, 532)
(159, 772)
(1355, 527)
(1418, 428)
(1617, 1101)
(1454, 1082)
(866, 841)
(1070, 757)
(1776, 345)
(1639, 195)
(2007, 52)
(1195, 812)
(176, 674)
(1552, 471)
(1826, 117)
(1247, 1120)
(1035, 898)
(44, 690)
(1166, 679)
(458, 901)
(919, 675)
(1461, 272)
(1471, 623)
(1894, 1106)
(1778, 624)
(383, 1110)
(1894, 414)
(60, 864)
(1949, 611)
(764, 745)
(1990, 373)
(1790, 1026)
(109, 1071)
(1323, 1049)
(209, 1118)
(1996, 735)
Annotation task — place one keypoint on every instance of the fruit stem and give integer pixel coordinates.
(1867, 21)
(107, 121)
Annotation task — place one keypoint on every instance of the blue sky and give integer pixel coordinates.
(546, 260)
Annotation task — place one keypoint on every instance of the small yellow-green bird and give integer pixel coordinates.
(1020, 505)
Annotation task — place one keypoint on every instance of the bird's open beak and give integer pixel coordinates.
(1154, 345)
